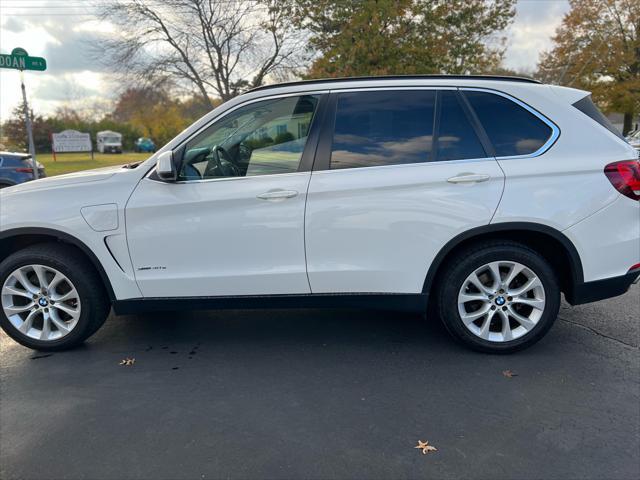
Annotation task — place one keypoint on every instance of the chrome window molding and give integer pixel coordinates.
(228, 179)
(407, 165)
(555, 130)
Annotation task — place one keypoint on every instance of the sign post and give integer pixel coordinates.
(19, 59)
(27, 120)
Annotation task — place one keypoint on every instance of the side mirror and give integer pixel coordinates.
(166, 168)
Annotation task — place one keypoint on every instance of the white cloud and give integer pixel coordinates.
(67, 87)
(530, 34)
(74, 73)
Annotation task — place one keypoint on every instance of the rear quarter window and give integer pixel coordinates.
(590, 109)
(512, 129)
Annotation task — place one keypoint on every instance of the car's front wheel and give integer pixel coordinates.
(51, 298)
(498, 297)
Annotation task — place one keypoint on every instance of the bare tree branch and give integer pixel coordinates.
(213, 47)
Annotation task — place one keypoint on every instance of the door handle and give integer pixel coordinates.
(469, 178)
(277, 195)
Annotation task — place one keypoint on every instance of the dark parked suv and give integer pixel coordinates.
(17, 168)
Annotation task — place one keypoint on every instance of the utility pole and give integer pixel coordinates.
(27, 119)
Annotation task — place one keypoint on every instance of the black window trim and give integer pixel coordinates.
(481, 133)
(437, 109)
(555, 130)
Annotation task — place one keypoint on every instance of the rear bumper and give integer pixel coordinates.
(600, 289)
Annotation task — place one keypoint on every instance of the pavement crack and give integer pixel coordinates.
(600, 334)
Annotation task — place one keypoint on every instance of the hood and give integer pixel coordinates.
(68, 179)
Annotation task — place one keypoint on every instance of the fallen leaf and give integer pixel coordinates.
(425, 447)
(509, 374)
(127, 362)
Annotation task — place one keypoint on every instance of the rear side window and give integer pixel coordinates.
(589, 108)
(13, 161)
(383, 128)
(512, 129)
(457, 139)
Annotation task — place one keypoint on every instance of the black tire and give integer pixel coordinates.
(69, 261)
(456, 270)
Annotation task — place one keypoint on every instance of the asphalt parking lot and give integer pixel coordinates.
(325, 394)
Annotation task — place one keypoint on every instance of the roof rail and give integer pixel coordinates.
(502, 78)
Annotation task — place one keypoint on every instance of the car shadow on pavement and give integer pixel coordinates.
(295, 326)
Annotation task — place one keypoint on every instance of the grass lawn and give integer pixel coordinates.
(74, 162)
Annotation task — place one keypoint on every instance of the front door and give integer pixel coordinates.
(233, 223)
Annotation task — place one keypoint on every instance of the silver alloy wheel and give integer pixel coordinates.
(40, 302)
(501, 301)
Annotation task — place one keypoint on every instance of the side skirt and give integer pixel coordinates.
(375, 301)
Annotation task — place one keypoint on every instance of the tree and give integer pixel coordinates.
(155, 113)
(14, 128)
(206, 46)
(134, 100)
(160, 122)
(378, 37)
(597, 48)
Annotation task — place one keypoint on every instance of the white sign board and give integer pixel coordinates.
(71, 141)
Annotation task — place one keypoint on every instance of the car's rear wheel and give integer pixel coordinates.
(51, 298)
(498, 297)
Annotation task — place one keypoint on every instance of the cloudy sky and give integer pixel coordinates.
(63, 31)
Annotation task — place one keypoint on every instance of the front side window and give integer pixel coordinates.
(512, 129)
(263, 138)
(383, 128)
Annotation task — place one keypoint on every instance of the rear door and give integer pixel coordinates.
(398, 173)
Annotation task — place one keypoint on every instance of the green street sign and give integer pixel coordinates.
(20, 60)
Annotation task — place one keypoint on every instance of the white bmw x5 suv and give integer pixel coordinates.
(483, 198)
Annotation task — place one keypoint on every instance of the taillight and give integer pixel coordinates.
(625, 177)
(24, 170)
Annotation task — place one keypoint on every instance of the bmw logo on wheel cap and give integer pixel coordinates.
(43, 302)
(500, 301)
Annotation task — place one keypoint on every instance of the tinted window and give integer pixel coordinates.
(589, 108)
(262, 138)
(13, 160)
(383, 128)
(512, 129)
(457, 139)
